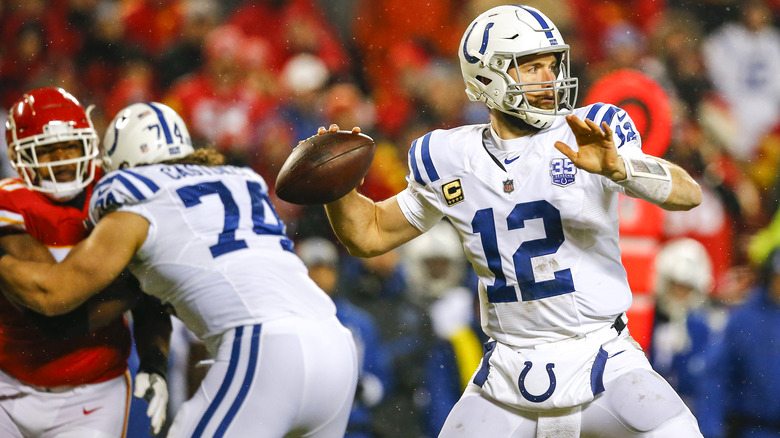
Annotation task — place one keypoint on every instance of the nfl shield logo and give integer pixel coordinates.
(509, 186)
(562, 171)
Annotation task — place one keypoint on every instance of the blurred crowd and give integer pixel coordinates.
(252, 78)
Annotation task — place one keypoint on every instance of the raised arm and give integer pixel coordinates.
(53, 289)
(653, 179)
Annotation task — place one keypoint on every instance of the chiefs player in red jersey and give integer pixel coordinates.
(66, 375)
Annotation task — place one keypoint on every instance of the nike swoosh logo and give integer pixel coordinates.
(508, 161)
(620, 118)
(87, 412)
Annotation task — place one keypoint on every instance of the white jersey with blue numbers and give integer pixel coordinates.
(541, 234)
(216, 249)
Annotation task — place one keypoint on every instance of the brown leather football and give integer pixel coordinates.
(324, 168)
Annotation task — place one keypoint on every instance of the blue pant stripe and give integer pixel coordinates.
(231, 372)
(481, 377)
(250, 374)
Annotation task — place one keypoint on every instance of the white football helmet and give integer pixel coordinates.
(684, 262)
(434, 263)
(492, 44)
(145, 133)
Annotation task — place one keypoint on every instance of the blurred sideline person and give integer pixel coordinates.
(740, 388)
(205, 240)
(322, 260)
(66, 376)
(684, 321)
(534, 195)
(436, 270)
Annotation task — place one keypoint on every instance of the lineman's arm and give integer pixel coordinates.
(97, 312)
(53, 289)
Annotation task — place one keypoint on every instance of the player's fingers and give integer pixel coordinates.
(356, 129)
(321, 130)
(577, 126)
(141, 385)
(333, 128)
(566, 150)
(594, 127)
(607, 130)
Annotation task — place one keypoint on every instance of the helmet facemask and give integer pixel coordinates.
(564, 90)
(24, 158)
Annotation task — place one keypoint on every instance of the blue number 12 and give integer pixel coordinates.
(484, 224)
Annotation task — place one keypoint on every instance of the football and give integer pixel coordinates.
(324, 168)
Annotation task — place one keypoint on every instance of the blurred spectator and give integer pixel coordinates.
(185, 55)
(135, 84)
(594, 19)
(304, 79)
(322, 260)
(152, 25)
(223, 101)
(742, 60)
(683, 320)
(103, 52)
(729, 200)
(740, 388)
(436, 270)
(378, 285)
(291, 27)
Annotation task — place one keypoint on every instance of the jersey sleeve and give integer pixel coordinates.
(624, 130)
(418, 201)
(121, 188)
(11, 219)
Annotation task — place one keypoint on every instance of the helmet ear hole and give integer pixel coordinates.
(484, 80)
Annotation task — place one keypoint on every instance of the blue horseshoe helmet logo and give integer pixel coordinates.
(537, 398)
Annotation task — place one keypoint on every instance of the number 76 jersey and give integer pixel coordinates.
(215, 250)
(541, 234)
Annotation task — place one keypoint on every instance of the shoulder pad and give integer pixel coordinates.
(121, 187)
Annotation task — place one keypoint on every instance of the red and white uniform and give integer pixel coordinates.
(37, 365)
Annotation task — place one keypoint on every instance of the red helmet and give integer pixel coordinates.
(45, 116)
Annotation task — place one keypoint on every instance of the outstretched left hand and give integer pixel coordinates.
(597, 152)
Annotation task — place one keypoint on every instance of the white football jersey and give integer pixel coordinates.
(216, 249)
(541, 234)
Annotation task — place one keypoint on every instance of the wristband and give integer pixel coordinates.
(154, 362)
(648, 179)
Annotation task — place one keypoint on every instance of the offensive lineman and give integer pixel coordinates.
(205, 239)
(540, 226)
(66, 376)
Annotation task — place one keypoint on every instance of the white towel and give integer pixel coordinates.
(560, 423)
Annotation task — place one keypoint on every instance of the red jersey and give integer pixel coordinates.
(25, 352)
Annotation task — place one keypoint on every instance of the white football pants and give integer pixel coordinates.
(637, 402)
(97, 410)
(287, 377)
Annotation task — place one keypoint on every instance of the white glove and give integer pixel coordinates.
(153, 389)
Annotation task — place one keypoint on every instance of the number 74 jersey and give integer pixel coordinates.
(541, 234)
(216, 250)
